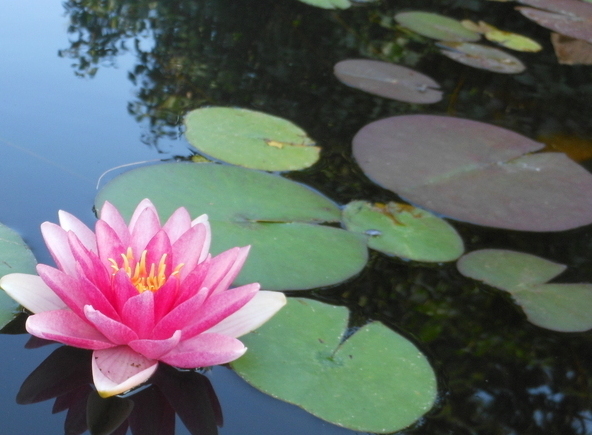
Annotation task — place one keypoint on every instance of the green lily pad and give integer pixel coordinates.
(475, 172)
(250, 139)
(508, 269)
(559, 307)
(15, 257)
(329, 4)
(374, 381)
(388, 80)
(276, 216)
(404, 230)
(482, 57)
(436, 26)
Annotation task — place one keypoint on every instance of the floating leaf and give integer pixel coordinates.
(329, 4)
(436, 26)
(15, 256)
(510, 40)
(560, 307)
(475, 172)
(571, 51)
(404, 231)
(376, 381)
(276, 216)
(482, 57)
(251, 139)
(568, 17)
(388, 80)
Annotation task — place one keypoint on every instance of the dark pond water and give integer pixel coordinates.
(91, 85)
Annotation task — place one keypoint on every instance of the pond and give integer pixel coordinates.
(95, 94)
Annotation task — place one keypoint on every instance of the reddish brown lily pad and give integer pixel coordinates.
(388, 80)
(482, 57)
(568, 17)
(475, 172)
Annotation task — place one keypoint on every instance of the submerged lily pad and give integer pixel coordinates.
(251, 139)
(276, 216)
(436, 26)
(374, 381)
(403, 230)
(15, 257)
(482, 57)
(388, 80)
(568, 17)
(560, 307)
(475, 172)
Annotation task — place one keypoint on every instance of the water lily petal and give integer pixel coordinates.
(109, 245)
(252, 315)
(92, 267)
(111, 216)
(154, 349)
(145, 228)
(138, 313)
(187, 250)
(165, 297)
(114, 331)
(156, 248)
(205, 350)
(205, 249)
(219, 306)
(56, 240)
(143, 205)
(31, 292)
(66, 327)
(179, 316)
(71, 223)
(177, 224)
(120, 369)
(122, 289)
(224, 268)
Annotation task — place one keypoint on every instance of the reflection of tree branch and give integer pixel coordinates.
(66, 376)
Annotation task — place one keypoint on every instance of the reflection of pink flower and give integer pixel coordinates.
(140, 294)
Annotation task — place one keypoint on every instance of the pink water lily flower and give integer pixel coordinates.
(141, 293)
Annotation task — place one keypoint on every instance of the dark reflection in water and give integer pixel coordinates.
(498, 373)
(65, 376)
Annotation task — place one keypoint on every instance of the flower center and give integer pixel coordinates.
(142, 277)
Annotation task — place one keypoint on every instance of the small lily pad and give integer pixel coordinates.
(374, 381)
(277, 217)
(388, 80)
(404, 230)
(15, 257)
(250, 139)
(559, 307)
(436, 26)
(482, 57)
(510, 40)
(475, 172)
(329, 4)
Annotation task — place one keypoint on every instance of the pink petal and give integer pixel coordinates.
(179, 316)
(120, 369)
(156, 248)
(66, 327)
(111, 216)
(252, 315)
(187, 249)
(56, 240)
(31, 292)
(122, 290)
(205, 249)
(193, 282)
(154, 349)
(76, 293)
(164, 298)
(177, 224)
(145, 228)
(205, 350)
(71, 223)
(110, 246)
(138, 313)
(143, 205)
(219, 306)
(116, 332)
(224, 268)
(92, 267)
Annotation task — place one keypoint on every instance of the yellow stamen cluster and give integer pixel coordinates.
(142, 278)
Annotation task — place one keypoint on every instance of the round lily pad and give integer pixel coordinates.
(482, 57)
(251, 139)
(374, 381)
(404, 230)
(475, 172)
(560, 307)
(436, 26)
(15, 257)
(276, 216)
(568, 17)
(329, 4)
(388, 80)
(510, 40)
